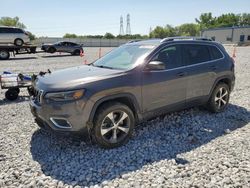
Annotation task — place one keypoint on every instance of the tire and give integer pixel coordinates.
(52, 50)
(18, 42)
(219, 99)
(11, 94)
(4, 54)
(16, 89)
(108, 132)
(76, 52)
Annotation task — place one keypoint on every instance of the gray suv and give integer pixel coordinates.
(131, 84)
(63, 46)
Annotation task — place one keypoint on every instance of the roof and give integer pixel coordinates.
(4, 26)
(225, 28)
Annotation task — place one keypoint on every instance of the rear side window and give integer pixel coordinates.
(10, 30)
(72, 44)
(16, 30)
(196, 53)
(171, 56)
(215, 53)
(4, 30)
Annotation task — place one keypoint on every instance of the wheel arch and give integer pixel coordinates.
(125, 98)
(224, 79)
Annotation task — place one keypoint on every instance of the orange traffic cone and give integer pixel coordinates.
(85, 62)
(81, 53)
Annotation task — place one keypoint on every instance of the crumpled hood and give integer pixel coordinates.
(74, 77)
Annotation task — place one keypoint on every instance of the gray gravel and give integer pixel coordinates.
(191, 148)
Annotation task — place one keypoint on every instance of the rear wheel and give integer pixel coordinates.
(114, 125)
(18, 42)
(219, 98)
(4, 54)
(76, 52)
(16, 89)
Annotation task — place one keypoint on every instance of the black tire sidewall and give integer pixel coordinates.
(101, 114)
(211, 103)
(76, 52)
(11, 94)
(15, 42)
(52, 50)
(8, 55)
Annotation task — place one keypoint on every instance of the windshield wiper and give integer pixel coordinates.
(102, 66)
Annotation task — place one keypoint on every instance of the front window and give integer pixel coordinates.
(124, 57)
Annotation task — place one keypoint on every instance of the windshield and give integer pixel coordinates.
(124, 57)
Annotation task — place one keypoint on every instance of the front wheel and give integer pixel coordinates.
(114, 125)
(51, 50)
(219, 99)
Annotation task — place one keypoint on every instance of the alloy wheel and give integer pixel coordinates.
(115, 126)
(4, 54)
(221, 98)
(19, 42)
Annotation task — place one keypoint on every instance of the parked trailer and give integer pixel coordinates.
(6, 50)
(13, 82)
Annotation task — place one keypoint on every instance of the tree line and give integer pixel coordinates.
(205, 21)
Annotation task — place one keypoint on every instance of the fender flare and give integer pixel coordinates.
(218, 80)
(113, 97)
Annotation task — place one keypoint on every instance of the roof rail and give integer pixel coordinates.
(136, 40)
(184, 38)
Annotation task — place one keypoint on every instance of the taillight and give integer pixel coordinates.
(26, 33)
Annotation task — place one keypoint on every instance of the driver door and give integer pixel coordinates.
(60, 47)
(163, 89)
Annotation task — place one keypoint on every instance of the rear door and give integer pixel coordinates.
(201, 71)
(18, 33)
(165, 88)
(6, 35)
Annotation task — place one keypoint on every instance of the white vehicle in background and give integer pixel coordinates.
(13, 35)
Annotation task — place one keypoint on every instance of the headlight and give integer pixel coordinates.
(65, 96)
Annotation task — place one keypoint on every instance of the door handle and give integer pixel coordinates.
(180, 74)
(213, 67)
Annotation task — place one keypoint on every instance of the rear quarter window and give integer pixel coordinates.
(196, 53)
(215, 53)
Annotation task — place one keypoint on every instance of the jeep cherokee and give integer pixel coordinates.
(132, 83)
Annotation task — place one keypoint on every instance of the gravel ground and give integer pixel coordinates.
(191, 148)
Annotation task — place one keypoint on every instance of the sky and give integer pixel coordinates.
(54, 18)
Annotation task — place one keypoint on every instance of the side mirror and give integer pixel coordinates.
(156, 65)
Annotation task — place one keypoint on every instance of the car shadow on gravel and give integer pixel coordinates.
(20, 99)
(21, 58)
(55, 56)
(77, 163)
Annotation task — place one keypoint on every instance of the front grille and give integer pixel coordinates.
(38, 95)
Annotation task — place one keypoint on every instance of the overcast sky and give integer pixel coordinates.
(57, 17)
